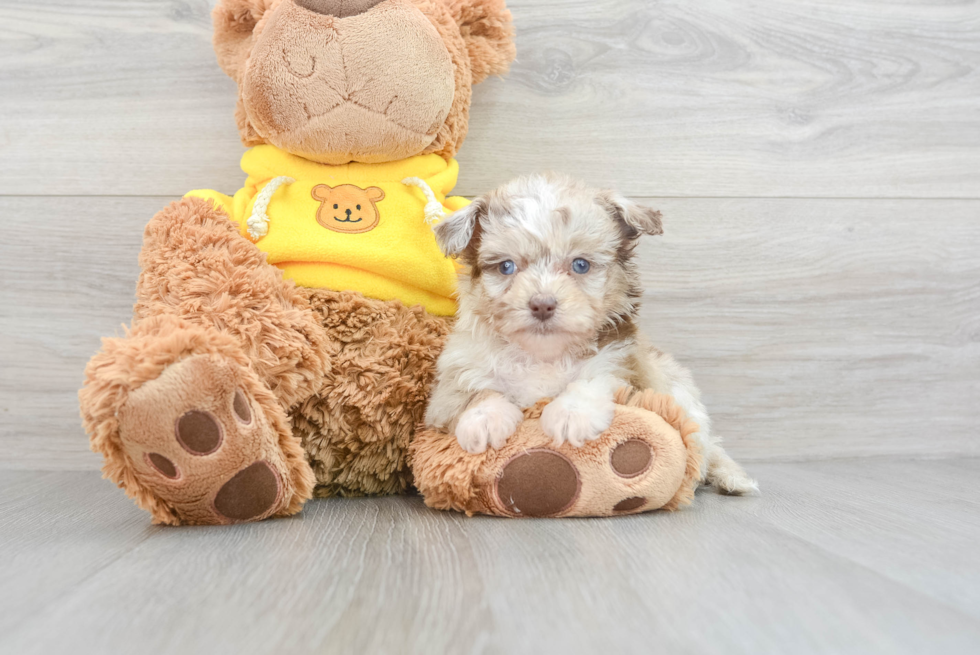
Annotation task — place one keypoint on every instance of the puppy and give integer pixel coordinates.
(549, 310)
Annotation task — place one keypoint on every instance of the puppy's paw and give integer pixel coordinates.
(575, 418)
(489, 423)
(728, 477)
(736, 484)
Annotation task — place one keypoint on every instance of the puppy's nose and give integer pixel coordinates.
(543, 307)
(338, 8)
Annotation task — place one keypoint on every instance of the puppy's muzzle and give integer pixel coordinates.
(542, 307)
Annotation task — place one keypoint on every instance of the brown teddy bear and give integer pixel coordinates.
(284, 339)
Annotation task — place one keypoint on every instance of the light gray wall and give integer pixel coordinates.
(817, 163)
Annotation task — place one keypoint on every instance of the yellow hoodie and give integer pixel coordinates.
(351, 227)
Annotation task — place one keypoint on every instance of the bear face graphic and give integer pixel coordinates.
(347, 208)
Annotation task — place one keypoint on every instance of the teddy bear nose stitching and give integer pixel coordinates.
(338, 8)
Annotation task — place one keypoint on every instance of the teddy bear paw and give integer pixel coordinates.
(201, 444)
(636, 465)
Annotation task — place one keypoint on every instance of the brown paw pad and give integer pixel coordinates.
(631, 458)
(630, 504)
(253, 491)
(164, 466)
(538, 483)
(199, 433)
(243, 411)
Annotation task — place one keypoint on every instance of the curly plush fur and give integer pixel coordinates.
(339, 381)
(357, 428)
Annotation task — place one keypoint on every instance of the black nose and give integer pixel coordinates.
(543, 307)
(338, 8)
(348, 211)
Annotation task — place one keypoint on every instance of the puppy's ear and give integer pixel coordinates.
(634, 220)
(459, 233)
(488, 30)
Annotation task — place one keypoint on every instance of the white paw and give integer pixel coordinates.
(736, 484)
(489, 423)
(576, 419)
(727, 476)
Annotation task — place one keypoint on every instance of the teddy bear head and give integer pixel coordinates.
(371, 81)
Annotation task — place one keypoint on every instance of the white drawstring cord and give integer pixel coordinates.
(434, 211)
(258, 222)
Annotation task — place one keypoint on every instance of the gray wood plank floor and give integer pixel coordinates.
(848, 556)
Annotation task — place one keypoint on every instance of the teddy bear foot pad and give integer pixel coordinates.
(202, 446)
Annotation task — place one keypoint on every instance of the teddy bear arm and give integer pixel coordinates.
(197, 266)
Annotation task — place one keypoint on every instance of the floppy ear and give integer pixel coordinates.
(488, 30)
(634, 220)
(459, 233)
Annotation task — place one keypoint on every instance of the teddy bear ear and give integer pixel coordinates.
(375, 194)
(488, 31)
(234, 23)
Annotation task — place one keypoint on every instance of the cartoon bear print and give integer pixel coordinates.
(347, 208)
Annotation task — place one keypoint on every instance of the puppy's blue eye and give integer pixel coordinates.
(581, 266)
(507, 268)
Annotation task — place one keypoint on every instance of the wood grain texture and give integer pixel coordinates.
(714, 98)
(836, 557)
(816, 328)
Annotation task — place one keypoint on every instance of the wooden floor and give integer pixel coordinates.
(818, 166)
(847, 556)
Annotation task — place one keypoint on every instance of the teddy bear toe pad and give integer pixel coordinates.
(201, 445)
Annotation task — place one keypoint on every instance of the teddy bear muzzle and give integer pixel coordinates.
(354, 80)
(338, 8)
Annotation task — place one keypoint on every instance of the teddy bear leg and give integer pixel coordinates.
(196, 265)
(189, 430)
(646, 460)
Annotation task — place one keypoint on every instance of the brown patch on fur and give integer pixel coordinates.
(357, 427)
(623, 330)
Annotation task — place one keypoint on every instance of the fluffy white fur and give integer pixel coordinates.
(501, 357)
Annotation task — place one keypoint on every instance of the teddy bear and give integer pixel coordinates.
(284, 338)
